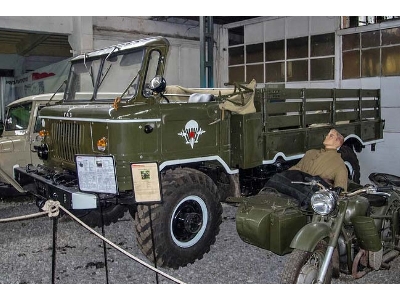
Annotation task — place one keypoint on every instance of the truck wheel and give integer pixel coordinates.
(303, 266)
(351, 161)
(111, 214)
(187, 222)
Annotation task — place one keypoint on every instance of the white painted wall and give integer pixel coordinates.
(49, 24)
(183, 61)
(385, 158)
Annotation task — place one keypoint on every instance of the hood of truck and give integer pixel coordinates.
(93, 129)
(98, 112)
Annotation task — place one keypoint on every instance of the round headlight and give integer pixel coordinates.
(323, 202)
(43, 151)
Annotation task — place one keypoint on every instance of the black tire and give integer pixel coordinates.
(302, 266)
(8, 192)
(93, 218)
(352, 163)
(185, 225)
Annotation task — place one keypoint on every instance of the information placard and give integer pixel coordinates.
(96, 174)
(146, 182)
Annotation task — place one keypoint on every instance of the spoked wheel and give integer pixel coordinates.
(303, 266)
(390, 228)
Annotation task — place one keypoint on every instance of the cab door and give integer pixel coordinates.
(190, 130)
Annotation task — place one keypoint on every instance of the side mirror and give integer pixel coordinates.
(158, 84)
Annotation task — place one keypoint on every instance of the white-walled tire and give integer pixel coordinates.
(187, 222)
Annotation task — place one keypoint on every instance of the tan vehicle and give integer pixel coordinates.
(20, 138)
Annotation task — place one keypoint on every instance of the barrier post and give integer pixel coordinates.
(53, 257)
(104, 243)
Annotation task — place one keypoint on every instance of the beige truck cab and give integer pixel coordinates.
(20, 138)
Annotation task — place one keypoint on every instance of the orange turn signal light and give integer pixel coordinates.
(43, 133)
(102, 144)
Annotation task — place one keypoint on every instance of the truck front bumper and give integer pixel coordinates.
(45, 189)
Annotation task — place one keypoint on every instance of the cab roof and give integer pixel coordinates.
(152, 41)
(41, 97)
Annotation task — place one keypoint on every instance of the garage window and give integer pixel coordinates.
(371, 54)
(306, 58)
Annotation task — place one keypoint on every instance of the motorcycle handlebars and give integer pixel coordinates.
(312, 182)
(369, 189)
(384, 189)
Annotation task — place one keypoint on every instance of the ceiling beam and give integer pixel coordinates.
(51, 50)
(30, 42)
(6, 48)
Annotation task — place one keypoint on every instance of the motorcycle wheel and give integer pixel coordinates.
(303, 266)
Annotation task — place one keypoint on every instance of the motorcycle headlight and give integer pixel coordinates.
(323, 202)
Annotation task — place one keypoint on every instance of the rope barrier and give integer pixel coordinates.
(52, 209)
(23, 217)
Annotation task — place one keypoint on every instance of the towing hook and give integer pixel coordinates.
(40, 203)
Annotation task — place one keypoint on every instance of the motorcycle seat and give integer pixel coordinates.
(376, 200)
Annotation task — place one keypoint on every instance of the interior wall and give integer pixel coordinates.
(385, 157)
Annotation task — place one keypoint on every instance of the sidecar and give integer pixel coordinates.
(269, 220)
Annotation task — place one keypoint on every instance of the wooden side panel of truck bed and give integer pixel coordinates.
(296, 120)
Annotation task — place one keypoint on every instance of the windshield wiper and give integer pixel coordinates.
(90, 71)
(109, 67)
(104, 76)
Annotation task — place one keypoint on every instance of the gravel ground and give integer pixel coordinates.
(26, 255)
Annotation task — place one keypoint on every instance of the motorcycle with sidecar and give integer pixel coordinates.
(353, 233)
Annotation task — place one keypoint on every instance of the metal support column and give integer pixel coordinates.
(206, 52)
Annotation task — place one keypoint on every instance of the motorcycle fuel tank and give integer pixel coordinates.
(357, 206)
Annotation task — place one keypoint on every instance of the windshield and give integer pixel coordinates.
(119, 73)
(18, 117)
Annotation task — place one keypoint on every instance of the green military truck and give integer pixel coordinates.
(122, 139)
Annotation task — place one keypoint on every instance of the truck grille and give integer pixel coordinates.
(66, 138)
